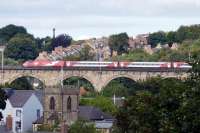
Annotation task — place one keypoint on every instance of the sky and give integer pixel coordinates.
(83, 19)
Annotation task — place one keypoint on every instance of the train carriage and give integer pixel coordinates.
(109, 64)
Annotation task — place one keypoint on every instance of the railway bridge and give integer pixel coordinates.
(98, 77)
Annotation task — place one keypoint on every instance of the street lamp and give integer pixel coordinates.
(2, 62)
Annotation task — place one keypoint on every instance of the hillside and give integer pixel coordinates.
(158, 46)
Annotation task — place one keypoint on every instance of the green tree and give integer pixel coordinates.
(47, 44)
(188, 33)
(171, 37)
(135, 55)
(163, 106)
(3, 99)
(104, 103)
(22, 84)
(82, 126)
(21, 47)
(115, 88)
(9, 31)
(190, 107)
(157, 37)
(44, 44)
(86, 53)
(121, 87)
(63, 40)
(119, 43)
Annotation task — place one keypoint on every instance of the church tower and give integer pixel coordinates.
(61, 104)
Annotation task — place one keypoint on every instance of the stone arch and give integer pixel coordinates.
(29, 77)
(24, 75)
(84, 77)
(132, 77)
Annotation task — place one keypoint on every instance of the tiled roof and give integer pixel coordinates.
(18, 98)
(92, 113)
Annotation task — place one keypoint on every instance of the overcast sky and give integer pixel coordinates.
(96, 18)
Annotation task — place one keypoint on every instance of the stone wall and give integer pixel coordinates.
(61, 96)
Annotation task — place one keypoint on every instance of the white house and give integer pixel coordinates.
(23, 107)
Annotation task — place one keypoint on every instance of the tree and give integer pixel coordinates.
(63, 40)
(104, 103)
(9, 31)
(21, 47)
(191, 106)
(164, 105)
(115, 88)
(188, 33)
(171, 37)
(3, 98)
(82, 126)
(119, 43)
(157, 37)
(86, 53)
(121, 87)
(44, 44)
(22, 84)
(135, 55)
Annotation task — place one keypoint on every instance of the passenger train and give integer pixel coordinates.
(109, 64)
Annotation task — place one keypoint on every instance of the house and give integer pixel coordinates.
(139, 41)
(103, 121)
(22, 108)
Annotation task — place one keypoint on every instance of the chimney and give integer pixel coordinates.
(54, 30)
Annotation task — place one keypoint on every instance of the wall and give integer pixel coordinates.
(9, 110)
(30, 113)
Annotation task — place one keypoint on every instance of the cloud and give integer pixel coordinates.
(101, 7)
(98, 17)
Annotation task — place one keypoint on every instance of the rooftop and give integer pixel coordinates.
(18, 98)
(92, 113)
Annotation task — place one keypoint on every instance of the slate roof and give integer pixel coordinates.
(18, 98)
(92, 113)
(39, 95)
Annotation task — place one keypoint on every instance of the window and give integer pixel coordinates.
(18, 113)
(38, 113)
(18, 126)
(52, 103)
(69, 104)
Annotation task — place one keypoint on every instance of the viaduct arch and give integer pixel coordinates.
(99, 79)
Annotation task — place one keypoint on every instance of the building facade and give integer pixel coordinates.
(61, 104)
(23, 107)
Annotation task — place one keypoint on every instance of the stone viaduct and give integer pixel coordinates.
(98, 78)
